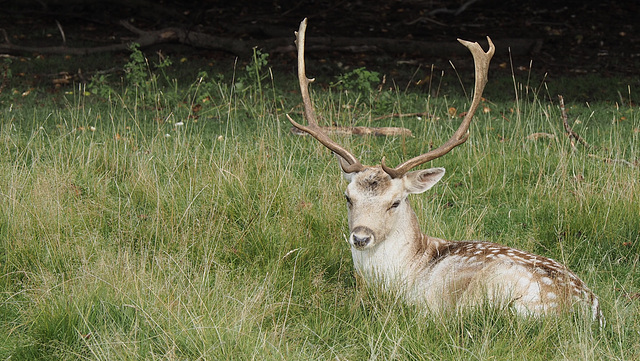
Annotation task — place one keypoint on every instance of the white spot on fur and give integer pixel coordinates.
(533, 293)
(523, 283)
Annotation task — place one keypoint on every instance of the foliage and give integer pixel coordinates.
(99, 85)
(138, 76)
(136, 69)
(359, 80)
(254, 73)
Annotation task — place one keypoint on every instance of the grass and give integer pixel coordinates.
(185, 222)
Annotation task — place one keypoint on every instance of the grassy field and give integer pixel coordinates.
(165, 221)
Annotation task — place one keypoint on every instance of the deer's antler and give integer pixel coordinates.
(481, 63)
(348, 161)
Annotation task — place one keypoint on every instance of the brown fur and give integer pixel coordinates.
(376, 181)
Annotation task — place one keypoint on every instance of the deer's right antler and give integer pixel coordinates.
(348, 161)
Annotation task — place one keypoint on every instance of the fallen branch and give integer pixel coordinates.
(575, 137)
(244, 48)
(400, 115)
(616, 160)
(631, 296)
(536, 136)
(570, 132)
(145, 38)
(382, 131)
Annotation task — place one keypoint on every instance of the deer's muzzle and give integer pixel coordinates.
(361, 237)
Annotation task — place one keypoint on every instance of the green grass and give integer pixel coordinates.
(135, 227)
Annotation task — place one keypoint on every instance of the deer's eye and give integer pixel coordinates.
(395, 204)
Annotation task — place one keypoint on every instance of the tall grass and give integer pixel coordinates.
(132, 229)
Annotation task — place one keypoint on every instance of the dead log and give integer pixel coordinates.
(145, 38)
(244, 48)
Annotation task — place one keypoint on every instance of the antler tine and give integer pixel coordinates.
(348, 161)
(481, 61)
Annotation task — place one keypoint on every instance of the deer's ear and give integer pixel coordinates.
(421, 180)
(344, 165)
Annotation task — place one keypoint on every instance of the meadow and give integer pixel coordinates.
(157, 219)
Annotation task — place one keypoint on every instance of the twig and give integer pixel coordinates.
(425, 19)
(570, 132)
(6, 36)
(432, 13)
(454, 12)
(127, 25)
(64, 38)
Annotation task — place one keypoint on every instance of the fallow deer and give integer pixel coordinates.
(390, 250)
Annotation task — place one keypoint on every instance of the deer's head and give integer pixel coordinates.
(377, 196)
(377, 203)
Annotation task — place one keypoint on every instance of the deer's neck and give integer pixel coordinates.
(393, 261)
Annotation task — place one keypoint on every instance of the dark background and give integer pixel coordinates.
(556, 38)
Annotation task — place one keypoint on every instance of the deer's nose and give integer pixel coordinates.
(361, 237)
(360, 242)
